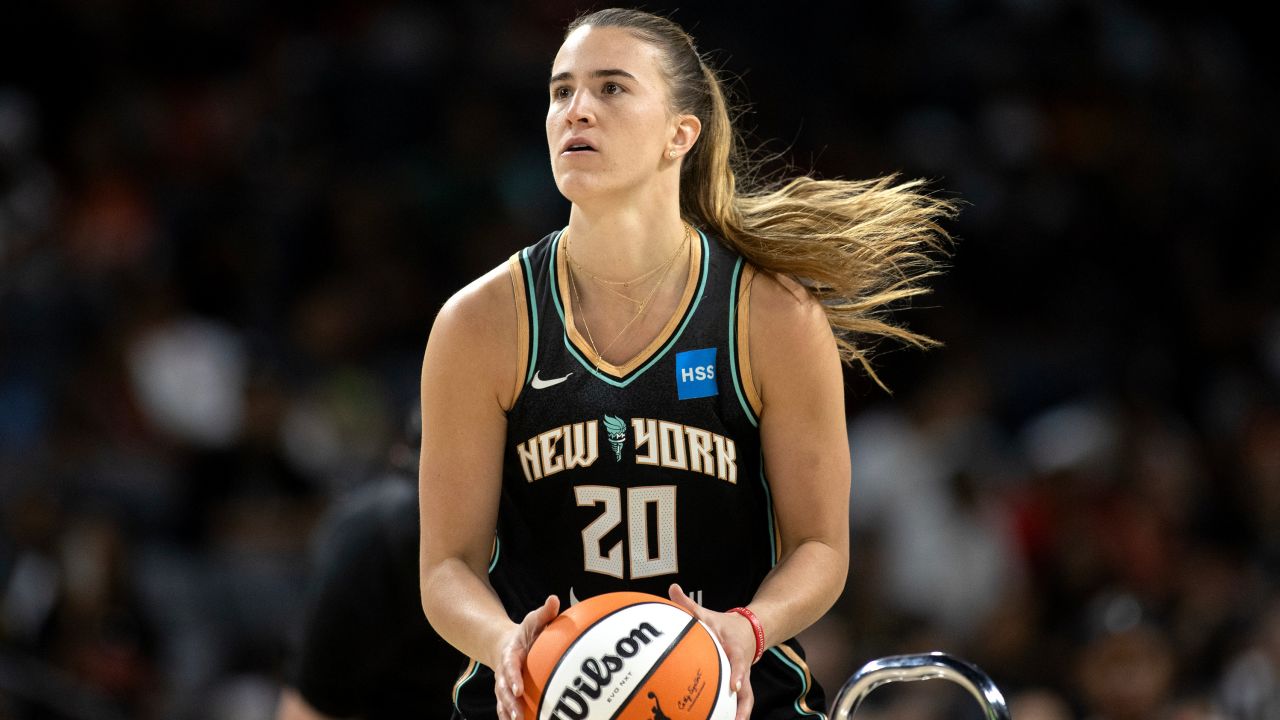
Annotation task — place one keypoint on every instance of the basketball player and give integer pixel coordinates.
(651, 398)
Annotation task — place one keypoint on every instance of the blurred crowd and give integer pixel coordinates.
(225, 227)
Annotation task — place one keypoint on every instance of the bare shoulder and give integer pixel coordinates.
(474, 337)
(485, 303)
(782, 309)
(790, 338)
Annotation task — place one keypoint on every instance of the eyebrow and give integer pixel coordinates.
(607, 72)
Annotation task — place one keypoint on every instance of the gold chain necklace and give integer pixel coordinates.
(643, 304)
(641, 276)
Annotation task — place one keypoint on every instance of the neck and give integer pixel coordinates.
(621, 243)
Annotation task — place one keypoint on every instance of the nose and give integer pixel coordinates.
(581, 109)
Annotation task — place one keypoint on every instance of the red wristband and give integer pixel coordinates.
(755, 626)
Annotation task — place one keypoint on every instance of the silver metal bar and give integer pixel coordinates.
(909, 668)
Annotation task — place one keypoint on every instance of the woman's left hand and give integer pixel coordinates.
(739, 640)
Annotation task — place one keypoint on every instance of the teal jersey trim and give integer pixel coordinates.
(768, 508)
(497, 552)
(688, 315)
(457, 689)
(733, 344)
(804, 684)
(532, 301)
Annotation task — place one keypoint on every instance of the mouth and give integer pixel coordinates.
(575, 146)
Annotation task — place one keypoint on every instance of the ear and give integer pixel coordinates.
(685, 133)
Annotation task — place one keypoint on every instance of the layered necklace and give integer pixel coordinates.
(614, 286)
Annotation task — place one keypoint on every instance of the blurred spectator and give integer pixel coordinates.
(362, 646)
(923, 482)
(1250, 687)
(1039, 705)
(1126, 666)
(366, 649)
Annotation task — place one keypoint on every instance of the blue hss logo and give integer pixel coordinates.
(696, 373)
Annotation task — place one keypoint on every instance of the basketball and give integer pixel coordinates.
(630, 656)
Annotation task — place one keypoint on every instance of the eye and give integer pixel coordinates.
(612, 88)
(561, 92)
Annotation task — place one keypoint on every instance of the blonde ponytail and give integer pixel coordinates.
(859, 247)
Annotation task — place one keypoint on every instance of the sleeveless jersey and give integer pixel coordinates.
(633, 477)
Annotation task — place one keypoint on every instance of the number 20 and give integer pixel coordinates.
(638, 501)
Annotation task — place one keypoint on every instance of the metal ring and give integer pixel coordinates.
(908, 668)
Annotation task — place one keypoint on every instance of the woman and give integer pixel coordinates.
(651, 399)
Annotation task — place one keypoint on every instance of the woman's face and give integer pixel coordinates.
(609, 124)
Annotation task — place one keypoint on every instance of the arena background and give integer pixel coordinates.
(225, 228)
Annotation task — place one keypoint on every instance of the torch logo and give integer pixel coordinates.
(616, 430)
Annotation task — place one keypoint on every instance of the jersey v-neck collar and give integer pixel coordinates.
(622, 375)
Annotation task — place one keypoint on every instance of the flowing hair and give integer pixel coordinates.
(860, 247)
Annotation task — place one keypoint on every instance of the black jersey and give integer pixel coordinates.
(633, 477)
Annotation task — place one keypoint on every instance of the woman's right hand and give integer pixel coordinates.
(508, 676)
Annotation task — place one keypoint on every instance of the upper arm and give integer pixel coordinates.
(467, 387)
(796, 369)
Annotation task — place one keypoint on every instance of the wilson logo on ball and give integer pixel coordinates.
(598, 674)
(612, 657)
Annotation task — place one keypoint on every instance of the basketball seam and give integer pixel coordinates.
(654, 667)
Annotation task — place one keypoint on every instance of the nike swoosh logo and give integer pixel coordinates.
(538, 383)
(573, 599)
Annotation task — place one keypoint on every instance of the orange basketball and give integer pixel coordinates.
(629, 656)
